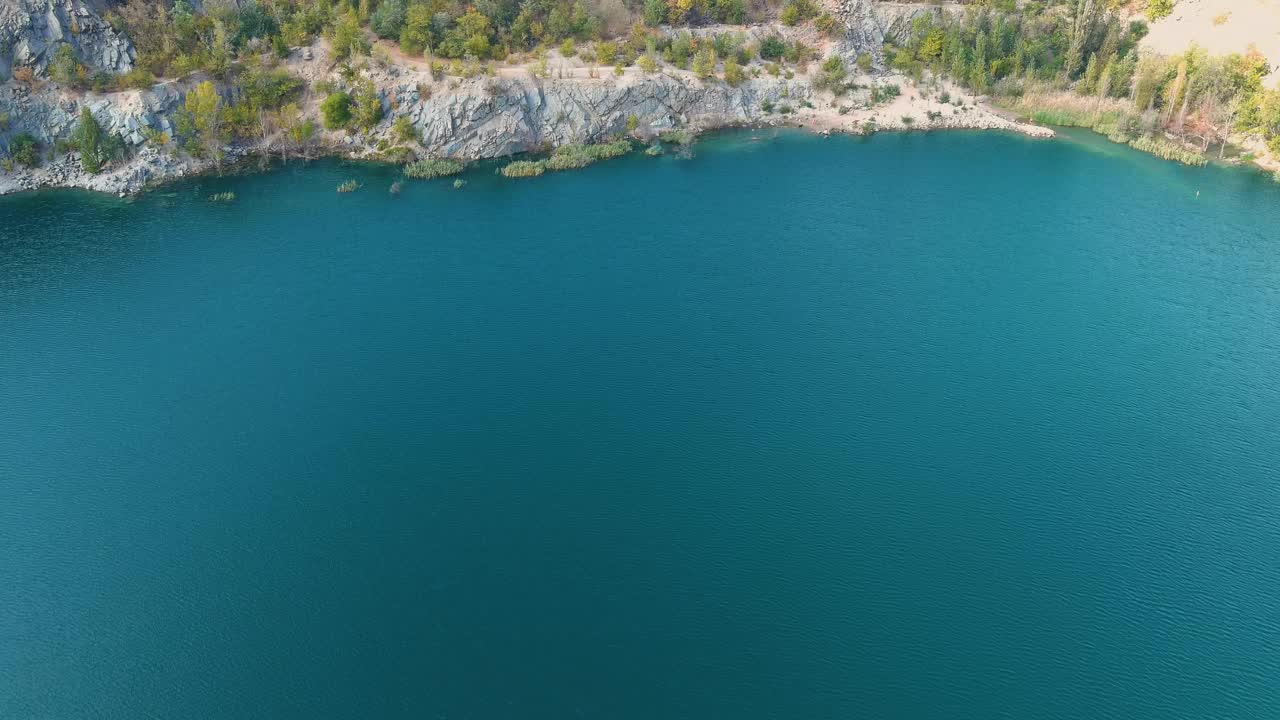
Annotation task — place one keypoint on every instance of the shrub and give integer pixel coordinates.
(880, 93)
(24, 148)
(137, 78)
(404, 130)
(366, 107)
(335, 111)
(523, 169)
(772, 48)
(797, 11)
(1157, 9)
(733, 73)
(832, 75)
(431, 168)
(65, 68)
(704, 62)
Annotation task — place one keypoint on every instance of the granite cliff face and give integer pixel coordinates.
(868, 24)
(31, 30)
(497, 117)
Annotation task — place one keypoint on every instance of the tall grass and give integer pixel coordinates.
(430, 168)
(1162, 148)
(523, 169)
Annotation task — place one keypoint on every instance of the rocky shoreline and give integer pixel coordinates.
(515, 109)
(490, 118)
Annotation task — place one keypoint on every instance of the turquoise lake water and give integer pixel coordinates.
(952, 426)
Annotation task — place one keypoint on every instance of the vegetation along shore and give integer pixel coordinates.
(119, 96)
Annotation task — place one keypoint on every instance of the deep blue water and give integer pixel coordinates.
(926, 426)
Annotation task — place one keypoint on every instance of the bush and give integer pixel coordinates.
(832, 75)
(772, 48)
(366, 107)
(137, 79)
(25, 149)
(335, 111)
(733, 73)
(404, 129)
(65, 68)
(1157, 9)
(431, 168)
(881, 93)
(827, 25)
(523, 169)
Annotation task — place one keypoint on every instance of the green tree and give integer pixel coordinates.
(388, 19)
(204, 107)
(978, 71)
(87, 137)
(655, 12)
(348, 37)
(1092, 75)
(416, 34)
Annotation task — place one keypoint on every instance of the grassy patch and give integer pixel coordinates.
(431, 168)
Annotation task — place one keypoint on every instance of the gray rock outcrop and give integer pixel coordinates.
(31, 30)
(49, 115)
(495, 117)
